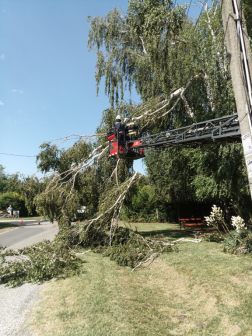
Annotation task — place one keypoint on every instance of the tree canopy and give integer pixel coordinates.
(180, 70)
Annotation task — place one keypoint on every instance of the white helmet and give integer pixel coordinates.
(126, 120)
(118, 117)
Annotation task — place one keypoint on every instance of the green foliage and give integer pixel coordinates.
(133, 43)
(3, 179)
(14, 191)
(178, 68)
(45, 260)
(51, 158)
(210, 174)
(93, 237)
(170, 173)
(238, 242)
(214, 236)
(30, 188)
(13, 198)
(143, 204)
(40, 262)
(247, 7)
(10, 183)
(51, 203)
(129, 248)
(155, 47)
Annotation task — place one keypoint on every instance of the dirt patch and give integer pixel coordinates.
(210, 306)
(230, 329)
(233, 330)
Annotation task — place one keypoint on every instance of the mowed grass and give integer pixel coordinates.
(196, 291)
(6, 227)
(171, 231)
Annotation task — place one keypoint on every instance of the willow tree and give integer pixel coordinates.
(180, 70)
(81, 174)
(156, 48)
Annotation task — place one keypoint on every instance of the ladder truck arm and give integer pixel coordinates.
(224, 129)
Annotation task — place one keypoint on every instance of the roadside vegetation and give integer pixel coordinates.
(6, 227)
(180, 70)
(197, 291)
(13, 191)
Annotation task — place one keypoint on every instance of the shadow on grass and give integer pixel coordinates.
(174, 234)
(6, 226)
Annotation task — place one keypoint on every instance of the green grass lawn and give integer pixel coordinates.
(6, 227)
(196, 291)
(172, 231)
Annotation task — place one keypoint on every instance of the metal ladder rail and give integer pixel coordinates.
(204, 132)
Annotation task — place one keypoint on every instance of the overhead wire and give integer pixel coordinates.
(174, 6)
(18, 155)
(189, 7)
(200, 13)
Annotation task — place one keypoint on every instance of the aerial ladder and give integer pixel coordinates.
(224, 129)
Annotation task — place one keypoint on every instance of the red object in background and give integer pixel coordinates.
(39, 222)
(22, 223)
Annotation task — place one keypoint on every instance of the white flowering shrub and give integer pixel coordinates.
(238, 223)
(217, 220)
(216, 217)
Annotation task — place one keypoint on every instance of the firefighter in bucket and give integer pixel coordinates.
(122, 139)
(131, 129)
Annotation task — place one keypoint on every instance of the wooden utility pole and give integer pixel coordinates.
(240, 58)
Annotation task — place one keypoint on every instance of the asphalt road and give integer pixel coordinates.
(15, 306)
(16, 303)
(28, 234)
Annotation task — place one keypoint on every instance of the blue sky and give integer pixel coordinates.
(47, 87)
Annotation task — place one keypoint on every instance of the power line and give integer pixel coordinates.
(18, 155)
(200, 13)
(189, 7)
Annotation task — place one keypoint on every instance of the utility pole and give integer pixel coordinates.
(240, 58)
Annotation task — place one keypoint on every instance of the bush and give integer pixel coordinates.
(45, 260)
(238, 242)
(129, 248)
(15, 200)
(40, 262)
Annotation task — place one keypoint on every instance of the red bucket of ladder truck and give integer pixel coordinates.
(123, 142)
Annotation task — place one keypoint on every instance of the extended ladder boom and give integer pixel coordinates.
(221, 129)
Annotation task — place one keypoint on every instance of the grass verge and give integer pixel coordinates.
(6, 227)
(197, 291)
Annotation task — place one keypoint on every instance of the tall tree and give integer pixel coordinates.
(181, 71)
